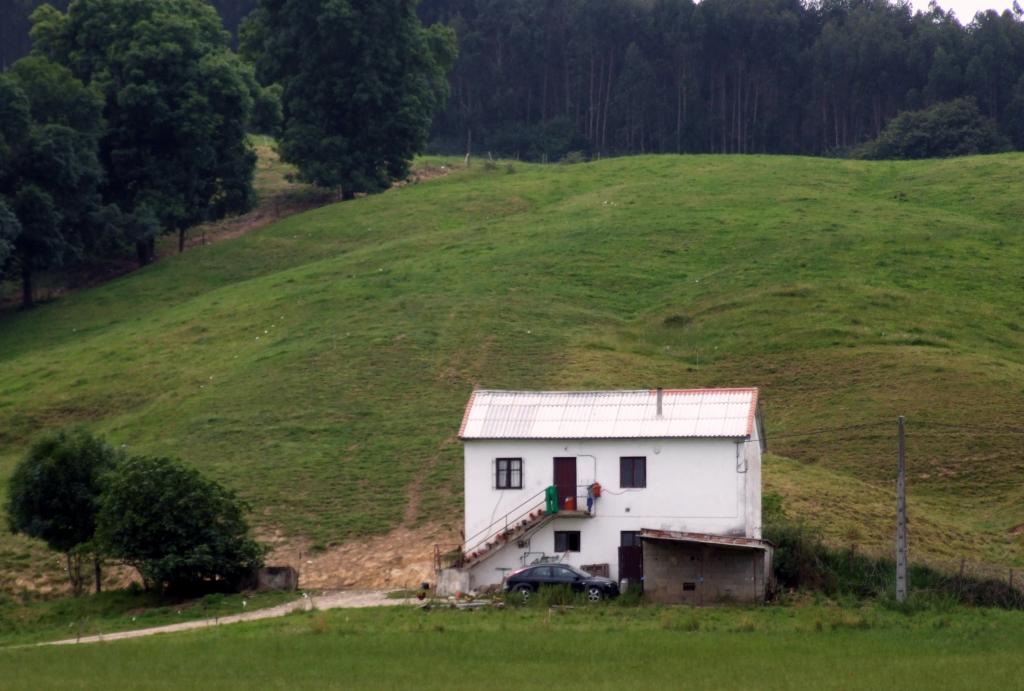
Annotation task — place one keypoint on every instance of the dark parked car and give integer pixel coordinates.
(527, 581)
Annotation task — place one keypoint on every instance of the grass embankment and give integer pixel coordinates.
(808, 646)
(70, 617)
(321, 365)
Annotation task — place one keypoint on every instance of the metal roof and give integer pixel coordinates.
(706, 538)
(609, 414)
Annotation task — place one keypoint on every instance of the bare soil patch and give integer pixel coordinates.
(403, 558)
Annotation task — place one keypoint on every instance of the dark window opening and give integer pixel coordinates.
(567, 541)
(630, 538)
(633, 471)
(509, 473)
(689, 586)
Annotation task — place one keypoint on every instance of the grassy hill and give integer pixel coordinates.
(321, 365)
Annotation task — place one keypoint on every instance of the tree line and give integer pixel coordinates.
(537, 78)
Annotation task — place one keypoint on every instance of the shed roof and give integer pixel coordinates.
(610, 414)
(706, 539)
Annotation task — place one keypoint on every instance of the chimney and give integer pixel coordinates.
(661, 392)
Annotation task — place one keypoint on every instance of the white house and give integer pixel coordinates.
(681, 468)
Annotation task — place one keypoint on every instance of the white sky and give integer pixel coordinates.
(965, 9)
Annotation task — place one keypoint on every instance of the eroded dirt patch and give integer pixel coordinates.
(403, 558)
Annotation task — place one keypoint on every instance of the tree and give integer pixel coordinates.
(361, 82)
(1015, 116)
(54, 496)
(178, 529)
(956, 128)
(736, 76)
(266, 112)
(9, 230)
(49, 169)
(177, 103)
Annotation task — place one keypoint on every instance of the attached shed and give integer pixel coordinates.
(702, 569)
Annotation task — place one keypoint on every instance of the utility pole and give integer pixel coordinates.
(901, 517)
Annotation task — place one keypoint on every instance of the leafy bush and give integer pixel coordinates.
(953, 128)
(550, 141)
(267, 114)
(557, 596)
(772, 512)
(574, 157)
(802, 561)
(55, 494)
(181, 531)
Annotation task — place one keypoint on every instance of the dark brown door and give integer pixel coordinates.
(565, 479)
(631, 558)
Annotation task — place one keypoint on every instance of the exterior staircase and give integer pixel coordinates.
(513, 527)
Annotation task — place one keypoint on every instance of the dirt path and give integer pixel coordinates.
(336, 600)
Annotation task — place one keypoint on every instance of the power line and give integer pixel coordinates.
(945, 429)
(828, 430)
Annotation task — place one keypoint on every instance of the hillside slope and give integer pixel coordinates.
(321, 365)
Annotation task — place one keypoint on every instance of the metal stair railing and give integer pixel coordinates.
(509, 523)
(502, 539)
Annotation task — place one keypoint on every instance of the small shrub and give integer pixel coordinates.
(574, 157)
(920, 601)
(674, 620)
(213, 600)
(744, 625)
(318, 624)
(633, 597)
(677, 321)
(850, 621)
(954, 128)
(557, 596)
(490, 165)
(510, 168)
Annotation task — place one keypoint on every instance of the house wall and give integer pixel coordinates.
(700, 574)
(693, 485)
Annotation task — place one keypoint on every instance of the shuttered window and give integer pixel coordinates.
(633, 471)
(508, 473)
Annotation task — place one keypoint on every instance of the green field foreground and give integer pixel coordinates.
(320, 365)
(808, 646)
